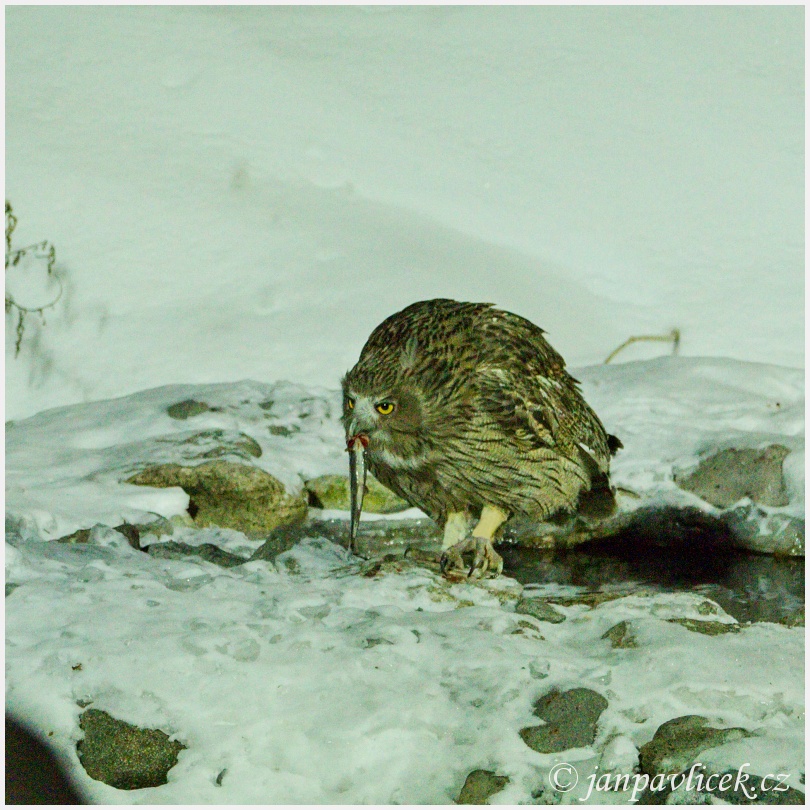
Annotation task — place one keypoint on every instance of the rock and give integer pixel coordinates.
(332, 492)
(480, 785)
(539, 669)
(539, 609)
(230, 495)
(283, 538)
(172, 550)
(204, 444)
(677, 743)
(122, 755)
(708, 628)
(731, 475)
(186, 409)
(571, 718)
(283, 430)
(755, 530)
(157, 527)
(101, 535)
(528, 630)
(221, 443)
(621, 636)
(794, 619)
(593, 599)
(564, 531)
(82, 536)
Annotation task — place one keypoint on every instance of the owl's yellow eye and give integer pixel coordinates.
(349, 404)
(384, 407)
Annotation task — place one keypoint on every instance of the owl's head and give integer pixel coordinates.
(402, 399)
(380, 401)
(390, 417)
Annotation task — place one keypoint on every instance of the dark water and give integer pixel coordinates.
(748, 586)
(671, 552)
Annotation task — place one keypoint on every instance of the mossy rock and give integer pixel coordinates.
(480, 785)
(332, 492)
(230, 495)
(678, 742)
(621, 636)
(570, 719)
(122, 755)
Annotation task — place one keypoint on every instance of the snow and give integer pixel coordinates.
(246, 192)
(326, 686)
(307, 681)
(65, 466)
(237, 196)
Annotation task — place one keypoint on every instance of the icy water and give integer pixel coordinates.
(750, 587)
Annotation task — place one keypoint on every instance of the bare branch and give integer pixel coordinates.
(673, 337)
(44, 251)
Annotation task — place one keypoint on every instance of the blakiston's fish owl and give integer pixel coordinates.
(467, 412)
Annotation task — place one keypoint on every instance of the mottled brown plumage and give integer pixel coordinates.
(467, 410)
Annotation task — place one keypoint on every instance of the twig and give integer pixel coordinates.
(41, 250)
(673, 337)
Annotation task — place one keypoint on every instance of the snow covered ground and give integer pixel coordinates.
(307, 681)
(243, 193)
(326, 686)
(65, 466)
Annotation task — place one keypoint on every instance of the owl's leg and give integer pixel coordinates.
(455, 528)
(480, 543)
(486, 558)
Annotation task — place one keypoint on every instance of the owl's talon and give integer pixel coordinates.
(486, 561)
(451, 560)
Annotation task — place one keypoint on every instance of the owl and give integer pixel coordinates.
(467, 412)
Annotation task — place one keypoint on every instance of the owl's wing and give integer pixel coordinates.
(544, 411)
(515, 407)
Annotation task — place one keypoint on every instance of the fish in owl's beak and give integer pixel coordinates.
(356, 446)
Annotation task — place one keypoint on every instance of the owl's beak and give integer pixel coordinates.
(356, 446)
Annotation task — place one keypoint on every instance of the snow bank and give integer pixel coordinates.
(316, 679)
(65, 466)
(225, 195)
